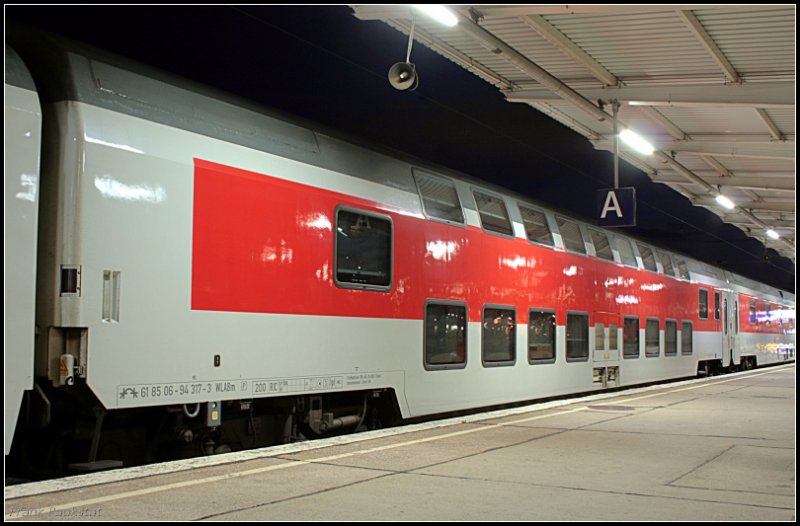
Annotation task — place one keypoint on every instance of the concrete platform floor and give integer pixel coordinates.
(721, 448)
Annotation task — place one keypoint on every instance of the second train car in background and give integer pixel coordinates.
(212, 277)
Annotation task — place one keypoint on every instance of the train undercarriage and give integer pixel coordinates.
(66, 431)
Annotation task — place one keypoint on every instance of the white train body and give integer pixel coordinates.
(21, 206)
(189, 253)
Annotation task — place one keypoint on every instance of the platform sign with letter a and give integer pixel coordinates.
(616, 207)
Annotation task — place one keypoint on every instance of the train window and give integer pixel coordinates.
(445, 335)
(571, 235)
(648, 258)
(363, 250)
(626, 252)
(683, 270)
(666, 263)
(494, 216)
(541, 336)
(670, 338)
(652, 338)
(686, 337)
(536, 227)
(612, 337)
(630, 337)
(716, 305)
(599, 337)
(752, 311)
(602, 248)
(703, 305)
(725, 316)
(439, 198)
(577, 337)
(499, 336)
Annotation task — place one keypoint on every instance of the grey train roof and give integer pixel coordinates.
(96, 77)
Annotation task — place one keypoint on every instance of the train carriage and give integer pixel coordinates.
(213, 275)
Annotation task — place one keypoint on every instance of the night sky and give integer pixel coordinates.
(324, 65)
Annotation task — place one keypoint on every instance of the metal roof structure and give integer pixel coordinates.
(712, 87)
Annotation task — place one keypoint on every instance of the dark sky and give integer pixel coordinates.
(323, 64)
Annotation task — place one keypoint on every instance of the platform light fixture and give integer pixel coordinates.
(772, 234)
(724, 201)
(636, 141)
(439, 13)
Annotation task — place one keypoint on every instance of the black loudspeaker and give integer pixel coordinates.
(403, 76)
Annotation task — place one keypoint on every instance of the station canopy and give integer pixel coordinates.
(712, 88)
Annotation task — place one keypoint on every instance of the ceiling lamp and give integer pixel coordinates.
(439, 13)
(724, 201)
(636, 141)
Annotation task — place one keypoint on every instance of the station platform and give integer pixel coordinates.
(713, 449)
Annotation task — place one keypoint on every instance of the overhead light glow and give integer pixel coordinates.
(439, 13)
(772, 234)
(636, 141)
(724, 201)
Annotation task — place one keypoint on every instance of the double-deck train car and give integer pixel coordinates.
(205, 275)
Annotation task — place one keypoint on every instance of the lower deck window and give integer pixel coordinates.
(363, 250)
(600, 333)
(577, 337)
(599, 337)
(630, 338)
(541, 336)
(612, 337)
(445, 335)
(686, 337)
(499, 336)
(670, 338)
(652, 338)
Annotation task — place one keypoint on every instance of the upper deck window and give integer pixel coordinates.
(536, 227)
(602, 248)
(571, 235)
(494, 216)
(648, 258)
(626, 252)
(666, 262)
(683, 270)
(439, 198)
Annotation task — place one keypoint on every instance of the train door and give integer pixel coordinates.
(734, 328)
(606, 349)
(730, 307)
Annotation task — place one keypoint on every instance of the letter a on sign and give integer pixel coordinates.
(611, 205)
(616, 207)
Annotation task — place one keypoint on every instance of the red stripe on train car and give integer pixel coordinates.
(262, 244)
